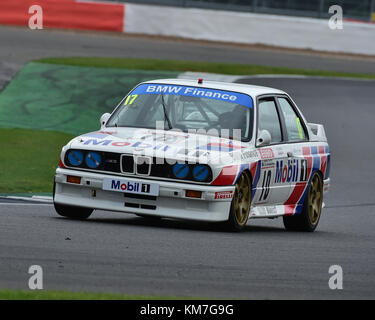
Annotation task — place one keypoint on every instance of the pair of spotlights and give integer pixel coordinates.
(92, 159)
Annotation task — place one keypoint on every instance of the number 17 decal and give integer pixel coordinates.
(265, 185)
(130, 99)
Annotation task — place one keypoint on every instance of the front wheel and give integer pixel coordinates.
(78, 213)
(309, 218)
(71, 212)
(240, 207)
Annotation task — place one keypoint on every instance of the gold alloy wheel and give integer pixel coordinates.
(315, 199)
(242, 199)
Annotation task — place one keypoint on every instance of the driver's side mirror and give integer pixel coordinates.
(103, 119)
(264, 138)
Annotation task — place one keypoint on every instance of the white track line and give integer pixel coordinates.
(31, 199)
(25, 204)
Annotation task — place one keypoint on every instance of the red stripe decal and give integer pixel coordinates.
(306, 151)
(296, 194)
(300, 187)
(289, 209)
(253, 169)
(227, 176)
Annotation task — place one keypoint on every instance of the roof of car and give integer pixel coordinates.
(251, 90)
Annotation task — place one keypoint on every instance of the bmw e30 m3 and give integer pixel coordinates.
(199, 150)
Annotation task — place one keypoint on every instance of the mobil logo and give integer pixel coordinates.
(291, 171)
(126, 186)
(137, 144)
(129, 186)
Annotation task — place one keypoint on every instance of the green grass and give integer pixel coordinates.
(66, 98)
(67, 295)
(174, 65)
(29, 159)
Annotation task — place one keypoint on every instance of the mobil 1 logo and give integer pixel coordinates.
(289, 171)
(294, 170)
(131, 186)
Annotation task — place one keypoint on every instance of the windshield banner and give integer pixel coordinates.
(167, 89)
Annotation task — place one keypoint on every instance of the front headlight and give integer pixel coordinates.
(201, 172)
(180, 170)
(93, 160)
(75, 158)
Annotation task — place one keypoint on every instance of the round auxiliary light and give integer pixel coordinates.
(180, 170)
(200, 172)
(75, 158)
(93, 160)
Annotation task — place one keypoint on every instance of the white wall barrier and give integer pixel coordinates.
(250, 28)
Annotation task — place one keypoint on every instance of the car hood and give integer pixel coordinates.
(162, 144)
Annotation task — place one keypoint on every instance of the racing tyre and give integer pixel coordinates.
(312, 207)
(240, 207)
(71, 212)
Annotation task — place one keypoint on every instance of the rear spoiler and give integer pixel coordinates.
(318, 132)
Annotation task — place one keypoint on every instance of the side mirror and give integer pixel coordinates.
(264, 138)
(104, 118)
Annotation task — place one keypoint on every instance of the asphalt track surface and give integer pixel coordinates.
(114, 252)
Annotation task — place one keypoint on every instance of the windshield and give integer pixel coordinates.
(215, 112)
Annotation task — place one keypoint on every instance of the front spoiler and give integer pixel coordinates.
(171, 202)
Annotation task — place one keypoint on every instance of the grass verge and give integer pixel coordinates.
(29, 159)
(176, 65)
(67, 295)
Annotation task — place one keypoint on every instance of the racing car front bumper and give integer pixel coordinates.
(171, 202)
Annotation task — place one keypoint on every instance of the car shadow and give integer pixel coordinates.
(166, 223)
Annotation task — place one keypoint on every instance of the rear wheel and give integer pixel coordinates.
(312, 207)
(240, 207)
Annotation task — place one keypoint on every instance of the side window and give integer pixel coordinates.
(293, 124)
(269, 119)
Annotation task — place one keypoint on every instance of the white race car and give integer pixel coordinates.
(199, 150)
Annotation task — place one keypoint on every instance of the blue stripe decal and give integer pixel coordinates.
(314, 150)
(169, 89)
(256, 179)
(328, 169)
(215, 148)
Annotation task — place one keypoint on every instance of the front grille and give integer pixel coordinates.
(127, 163)
(148, 207)
(111, 162)
(135, 165)
(131, 205)
(139, 196)
(143, 165)
(142, 206)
